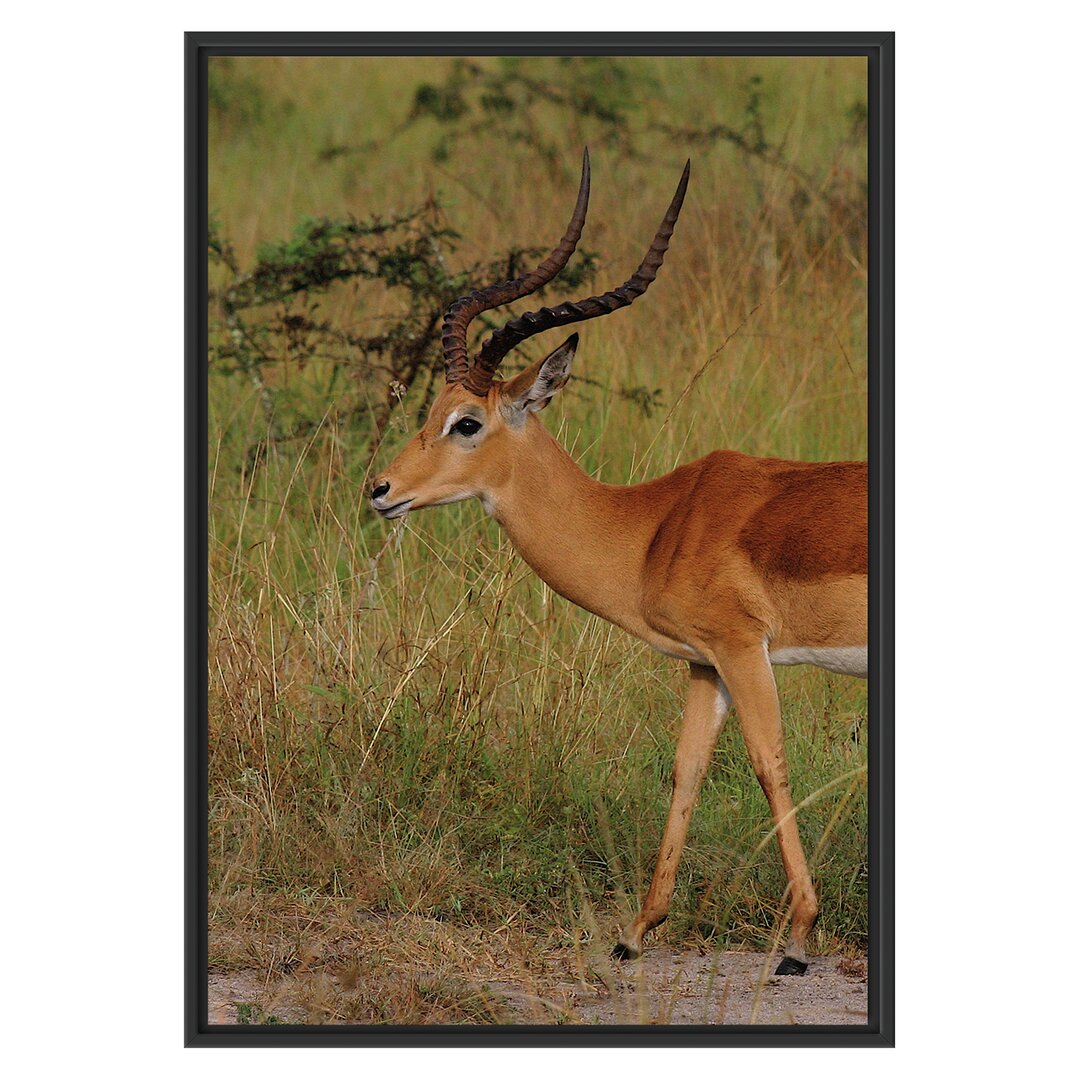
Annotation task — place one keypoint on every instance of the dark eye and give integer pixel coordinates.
(467, 426)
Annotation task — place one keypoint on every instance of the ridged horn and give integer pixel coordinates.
(533, 322)
(463, 311)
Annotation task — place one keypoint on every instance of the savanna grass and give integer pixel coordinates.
(406, 721)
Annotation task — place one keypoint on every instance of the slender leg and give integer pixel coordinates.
(749, 676)
(707, 704)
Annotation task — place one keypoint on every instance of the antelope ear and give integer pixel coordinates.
(533, 388)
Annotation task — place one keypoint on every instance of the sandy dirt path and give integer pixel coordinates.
(666, 986)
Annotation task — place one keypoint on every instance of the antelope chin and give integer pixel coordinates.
(396, 511)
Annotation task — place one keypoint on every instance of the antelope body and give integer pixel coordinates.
(731, 563)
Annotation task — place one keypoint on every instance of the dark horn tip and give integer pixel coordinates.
(680, 191)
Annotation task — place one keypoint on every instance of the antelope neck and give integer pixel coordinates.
(584, 538)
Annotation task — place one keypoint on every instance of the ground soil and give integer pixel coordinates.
(666, 986)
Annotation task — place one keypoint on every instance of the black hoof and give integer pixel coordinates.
(624, 952)
(790, 966)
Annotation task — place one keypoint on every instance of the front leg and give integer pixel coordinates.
(707, 704)
(750, 677)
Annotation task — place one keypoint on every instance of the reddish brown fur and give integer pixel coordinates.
(813, 525)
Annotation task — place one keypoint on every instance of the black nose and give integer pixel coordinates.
(379, 490)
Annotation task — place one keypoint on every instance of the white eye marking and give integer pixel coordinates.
(451, 420)
(460, 416)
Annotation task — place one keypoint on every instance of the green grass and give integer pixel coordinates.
(411, 723)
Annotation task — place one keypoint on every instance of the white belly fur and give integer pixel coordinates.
(846, 659)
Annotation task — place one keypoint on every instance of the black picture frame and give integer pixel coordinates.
(878, 48)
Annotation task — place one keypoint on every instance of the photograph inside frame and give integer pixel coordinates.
(537, 641)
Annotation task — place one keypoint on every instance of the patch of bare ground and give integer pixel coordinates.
(669, 986)
(355, 968)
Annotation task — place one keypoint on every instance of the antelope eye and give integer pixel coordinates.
(467, 426)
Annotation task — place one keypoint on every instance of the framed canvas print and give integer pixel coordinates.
(540, 560)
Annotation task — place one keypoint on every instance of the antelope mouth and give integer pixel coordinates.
(397, 510)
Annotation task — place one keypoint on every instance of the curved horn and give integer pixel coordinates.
(463, 311)
(533, 322)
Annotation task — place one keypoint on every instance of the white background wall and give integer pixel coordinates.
(986, 581)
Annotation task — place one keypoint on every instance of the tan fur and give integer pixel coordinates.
(718, 562)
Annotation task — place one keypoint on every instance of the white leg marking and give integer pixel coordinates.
(723, 701)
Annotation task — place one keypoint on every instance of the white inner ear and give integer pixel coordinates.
(552, 377)
(545, 387)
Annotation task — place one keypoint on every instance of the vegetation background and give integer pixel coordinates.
(425, 768)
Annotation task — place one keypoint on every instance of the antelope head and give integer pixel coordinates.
(478, 426)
